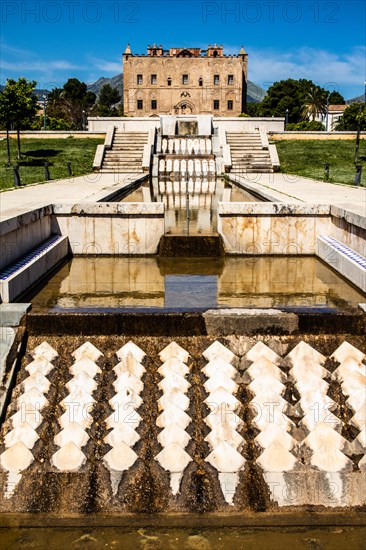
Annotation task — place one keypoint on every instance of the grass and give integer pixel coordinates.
(35, 152)
(307, 158)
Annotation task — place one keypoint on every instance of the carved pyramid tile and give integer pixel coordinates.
(32, 417)
(220, 380)
(40, 365)
(83, 381)
(130, 349)
(85, 365)
(122, 433)
(347, 367)
(16, 458)
(174, 434)
(174, 381)
(303, 350)
(32, 399)
(347, 350)
(69, 458)
(24, 433)
(275, 433)
(260, 350)
(129, 364)
(120, 458)
(87, 350)
(218, 350)
(44, 350)
(224, 432)
(218, 365)
(128, 380)
(222, 399)
(73, 432)
(264, 367)
(37, 380)
(276, 458)
(173, 415)
(125, 399)
(175, 397)
(174, 351)
(173, 365)
(226, 459)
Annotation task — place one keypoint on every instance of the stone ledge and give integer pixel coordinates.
(12, 314)
(272, 209)
(110, 209)
(250, 321)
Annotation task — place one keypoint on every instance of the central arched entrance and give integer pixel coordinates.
(183, 108)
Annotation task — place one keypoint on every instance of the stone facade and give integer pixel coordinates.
(185, 81)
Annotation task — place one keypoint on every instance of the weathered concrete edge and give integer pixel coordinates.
(225, 322)
(350, 217)
(168, 324)
(272, 209)
(295, 518)
(110, 209)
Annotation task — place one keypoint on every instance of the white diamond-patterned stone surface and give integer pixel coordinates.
(323, 440)
(20, 440)
(269, 407)
(305, 451)
(124, 420)
(173, 418)
(224, 439)
(77, 406)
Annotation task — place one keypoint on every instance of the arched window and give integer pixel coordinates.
(200, 82)
(215, 54)
(169, 81)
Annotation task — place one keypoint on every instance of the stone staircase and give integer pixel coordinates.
(247, 153)
(125, 155)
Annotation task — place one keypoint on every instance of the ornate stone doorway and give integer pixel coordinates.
(183, 108)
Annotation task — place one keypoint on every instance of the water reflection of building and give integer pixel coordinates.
(184, 81)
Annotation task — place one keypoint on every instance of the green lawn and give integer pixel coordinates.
(307, 158)
(35, 152)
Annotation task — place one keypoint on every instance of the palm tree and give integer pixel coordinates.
(315, 103)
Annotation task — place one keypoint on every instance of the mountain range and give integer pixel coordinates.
(254, 93)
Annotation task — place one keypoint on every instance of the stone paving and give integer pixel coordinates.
(291, 426)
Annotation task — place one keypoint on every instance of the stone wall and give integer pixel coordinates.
(284, 136)
(272, 228)
(20, 234)
(111, 228)
(197, 99)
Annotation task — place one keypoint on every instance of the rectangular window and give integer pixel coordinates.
(169, 81)
(216, 79)
(230, 105)
(139, 79)
(230, 79)
(140, 104)
(185, 79)
(216, 104)
(153, 79)
(153, 104)
(200, 82)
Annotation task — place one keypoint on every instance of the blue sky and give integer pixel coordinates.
(50, 41)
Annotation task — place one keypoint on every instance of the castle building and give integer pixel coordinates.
(184, 81)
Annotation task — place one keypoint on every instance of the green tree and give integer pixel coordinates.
(354, 115)
(107, 102)
(18, 106)
(335, 98)
(286, 94)
(315, 103)
(5, 118)
(72, 102)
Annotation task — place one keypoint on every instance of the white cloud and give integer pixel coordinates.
(325, 68)
(113, 67)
